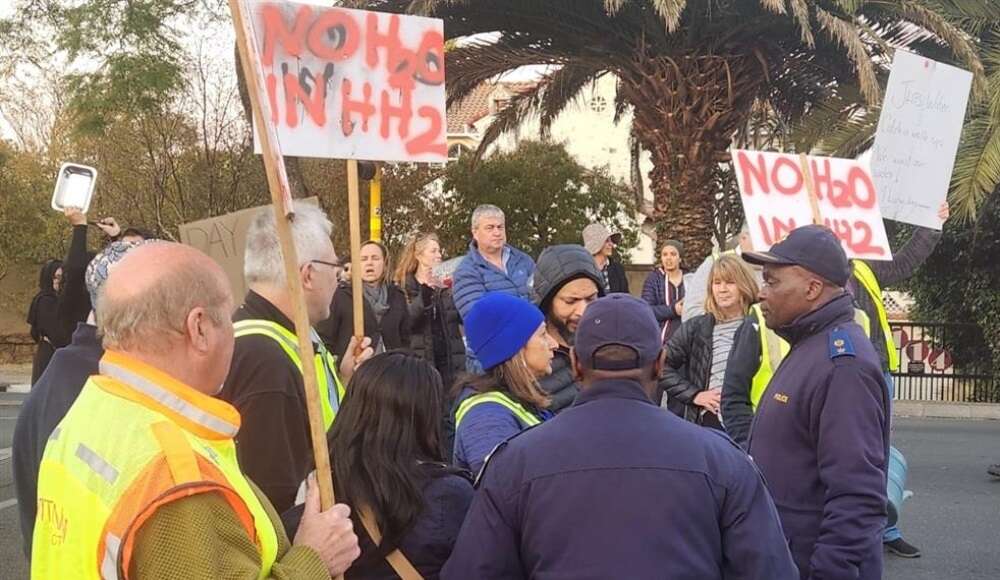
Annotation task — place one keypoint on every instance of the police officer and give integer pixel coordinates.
(821, 432)
(615, 486)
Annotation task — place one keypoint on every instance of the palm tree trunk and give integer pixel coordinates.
(686, 111)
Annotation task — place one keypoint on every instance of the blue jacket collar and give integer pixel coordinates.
(612, 389)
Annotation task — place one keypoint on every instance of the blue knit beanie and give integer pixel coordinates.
(499, 325)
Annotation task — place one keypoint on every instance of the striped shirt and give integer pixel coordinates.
(722, 344)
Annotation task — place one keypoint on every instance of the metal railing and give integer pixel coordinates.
(941, 361)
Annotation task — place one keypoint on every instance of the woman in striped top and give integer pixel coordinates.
(698, 352)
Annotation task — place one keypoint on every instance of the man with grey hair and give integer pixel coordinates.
(140, 479)
(492, 265)
(265, 383)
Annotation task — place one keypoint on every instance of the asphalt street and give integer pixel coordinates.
(954, 515)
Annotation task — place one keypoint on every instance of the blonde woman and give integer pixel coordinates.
(435, 325)
(698, 352)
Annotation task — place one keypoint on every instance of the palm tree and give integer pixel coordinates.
(692, 73)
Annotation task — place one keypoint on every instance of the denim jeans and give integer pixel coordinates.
(891, 533)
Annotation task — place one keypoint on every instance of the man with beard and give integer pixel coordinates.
(566, 280)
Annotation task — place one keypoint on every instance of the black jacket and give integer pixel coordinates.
(393, 330)
(447, 495)
(560, 385)
(273, 446)
(436, 328)
(744, 362)
(617, 280)
(689, 363)
(46, 405)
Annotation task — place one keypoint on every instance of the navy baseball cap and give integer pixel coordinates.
(812, 247)
(617, 320)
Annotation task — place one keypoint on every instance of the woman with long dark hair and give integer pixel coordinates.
(509, 337)
(385, 453)
(386, 316)
(664, 289)
(47, 330)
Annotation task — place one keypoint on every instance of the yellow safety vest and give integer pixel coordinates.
(773, 350)
(524, 416)
(866, 277)
(326, 363)
(134, 440)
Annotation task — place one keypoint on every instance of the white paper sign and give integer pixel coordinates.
(776, 200)
(352, 84)
(917, 137)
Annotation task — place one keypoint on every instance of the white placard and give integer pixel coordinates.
(352, 84)
(917, 138)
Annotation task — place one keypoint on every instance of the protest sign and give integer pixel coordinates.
(223, 238)
(352, 84)
(776, 200)
(917, 137)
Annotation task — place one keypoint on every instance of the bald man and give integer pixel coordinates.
(140, 478)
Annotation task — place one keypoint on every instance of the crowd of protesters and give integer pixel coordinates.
(607, 435)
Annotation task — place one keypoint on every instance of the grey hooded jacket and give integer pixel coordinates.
(556, 266)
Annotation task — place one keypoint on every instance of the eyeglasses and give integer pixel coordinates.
(337, 267)
(325, 263)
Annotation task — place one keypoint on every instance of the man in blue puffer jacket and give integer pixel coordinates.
(490, 266)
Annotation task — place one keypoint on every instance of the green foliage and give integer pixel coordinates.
(547, 196)
(960, 283)
(122, 57)
(30, 230)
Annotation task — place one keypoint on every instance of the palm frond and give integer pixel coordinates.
(847, 36)
(470, 65)
(801, 12)
(776, 6)
(977, 165)
(961, 45)
(561, 88)
(521, 107)
(670, 11)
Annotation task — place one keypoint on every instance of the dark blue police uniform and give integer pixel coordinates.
(821, 439)
(616, 487)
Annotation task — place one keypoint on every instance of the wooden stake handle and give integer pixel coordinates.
(811, 188)
(354, 210)
(284, 213)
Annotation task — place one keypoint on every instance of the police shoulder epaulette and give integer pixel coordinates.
(496, 450)
(840, 343)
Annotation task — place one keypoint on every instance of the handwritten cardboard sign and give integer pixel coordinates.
(352, 84)
(776, 200)
(224, 238)
(917, 137)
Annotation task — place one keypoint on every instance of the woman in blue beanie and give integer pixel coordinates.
(508, 336)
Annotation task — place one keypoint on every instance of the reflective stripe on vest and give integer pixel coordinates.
(869, 282)
(524, 416)
(773, 350)
(117, 457)
(326, 363)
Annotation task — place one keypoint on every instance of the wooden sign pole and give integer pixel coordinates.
(811, 188)
(354, 213)
(281, 199)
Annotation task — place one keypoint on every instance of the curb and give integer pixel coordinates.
(938, 410)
